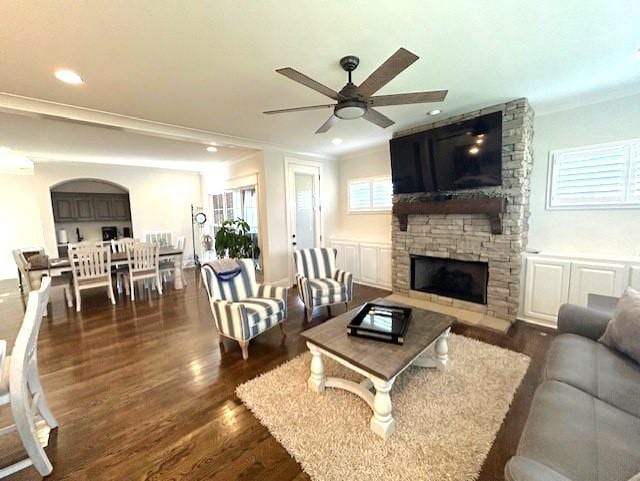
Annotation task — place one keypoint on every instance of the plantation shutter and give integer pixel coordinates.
(592, 176)
(381, 193)
(634, 180)
(360, 195)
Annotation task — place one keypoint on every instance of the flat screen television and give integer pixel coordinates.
(463, 155)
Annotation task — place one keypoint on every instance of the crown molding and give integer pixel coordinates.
(12, 103)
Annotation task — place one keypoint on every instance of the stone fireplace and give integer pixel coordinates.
(482, 227)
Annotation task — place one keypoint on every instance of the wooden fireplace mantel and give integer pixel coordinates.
(493, 207)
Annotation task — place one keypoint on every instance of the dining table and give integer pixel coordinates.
(60, 265)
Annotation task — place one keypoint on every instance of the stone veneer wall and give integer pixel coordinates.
(469, 237)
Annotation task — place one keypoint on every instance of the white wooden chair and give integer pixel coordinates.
(91, 267)
(20, 386)
(144, 264)
(120, 246)
(32, 279)
(168, 267)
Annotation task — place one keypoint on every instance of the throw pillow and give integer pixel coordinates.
(623, 330)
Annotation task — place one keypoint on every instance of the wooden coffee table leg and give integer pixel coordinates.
(317, 378)
(382, 422)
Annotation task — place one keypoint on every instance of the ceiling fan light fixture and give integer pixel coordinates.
(350, 109)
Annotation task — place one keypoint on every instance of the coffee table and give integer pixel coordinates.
(379, 362)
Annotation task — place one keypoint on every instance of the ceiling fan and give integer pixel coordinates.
(358, 101)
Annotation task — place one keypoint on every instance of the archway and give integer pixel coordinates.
(89, 209)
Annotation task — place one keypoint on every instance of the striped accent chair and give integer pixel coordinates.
(319, 282)
(242, 308)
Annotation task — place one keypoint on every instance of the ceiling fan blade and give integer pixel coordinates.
(377, 118)
(299, 109)
(387, 72)
(412, 98)
(327, 125)
(308, 82)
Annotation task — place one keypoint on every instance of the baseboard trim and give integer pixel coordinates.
(371, 284)
(538, 322)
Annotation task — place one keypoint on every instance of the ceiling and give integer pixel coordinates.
(210, 65)
(47, 139)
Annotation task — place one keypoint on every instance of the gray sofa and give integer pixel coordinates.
(584, 423)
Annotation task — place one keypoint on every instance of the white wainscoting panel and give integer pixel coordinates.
(634, 272)
(596, 278)
(550, 281)
(369, 262)
(548, 287)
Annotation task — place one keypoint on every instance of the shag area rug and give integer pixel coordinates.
(445, 422)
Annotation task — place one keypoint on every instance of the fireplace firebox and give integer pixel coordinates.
(464, 280)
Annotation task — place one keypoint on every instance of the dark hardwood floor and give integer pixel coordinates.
(144, 391)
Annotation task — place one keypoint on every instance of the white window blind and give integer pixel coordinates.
(370, 194)
(595, 177)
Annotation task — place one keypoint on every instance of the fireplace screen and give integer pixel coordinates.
(450, 278)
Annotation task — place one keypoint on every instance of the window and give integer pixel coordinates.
(235, 203)
(596, 177)
(370, 194)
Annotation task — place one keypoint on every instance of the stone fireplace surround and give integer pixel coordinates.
(469, 237)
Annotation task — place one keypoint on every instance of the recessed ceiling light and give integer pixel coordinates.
(211, 148)
(4, 150)
(68, 77)
(336, 141)
(435, 112)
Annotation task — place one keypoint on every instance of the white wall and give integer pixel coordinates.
(369, 227)
(270, 166)
(588, 232)
(160, 200)
(19, 219)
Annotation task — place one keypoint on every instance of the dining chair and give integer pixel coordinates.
(32, 279)
(20, 386)
(144, 264)
(91, 267)
(119, 246)
(78, 245)
(168, 267)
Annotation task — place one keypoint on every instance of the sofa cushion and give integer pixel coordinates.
(623, 331)
(580, 437)
(595, 369)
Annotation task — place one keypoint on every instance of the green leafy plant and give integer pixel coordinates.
(234, 240)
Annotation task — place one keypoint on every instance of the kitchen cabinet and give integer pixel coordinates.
(86, 207)
(63, 209)
(120, 209)
(102, 208)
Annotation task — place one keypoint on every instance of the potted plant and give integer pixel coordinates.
(235, 241)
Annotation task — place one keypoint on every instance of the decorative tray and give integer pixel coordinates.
(381, 322)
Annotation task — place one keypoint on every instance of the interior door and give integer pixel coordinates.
(304, 213)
